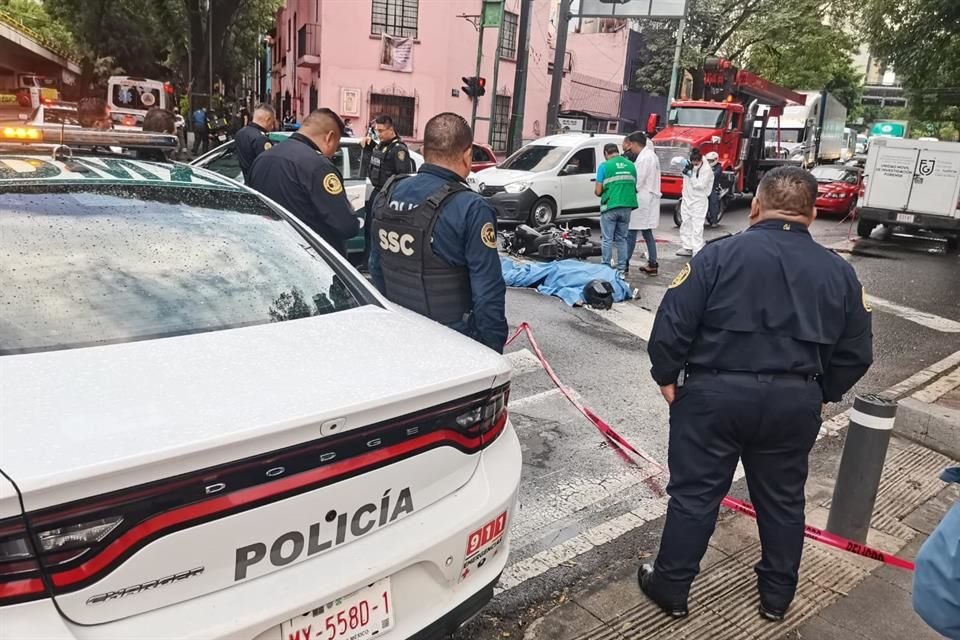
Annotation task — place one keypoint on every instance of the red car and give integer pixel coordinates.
(837, 188)
(483, 157)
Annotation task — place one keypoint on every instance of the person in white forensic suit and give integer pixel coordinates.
(646, 216)
(697, 185)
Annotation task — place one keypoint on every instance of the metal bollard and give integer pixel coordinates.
(871, 423)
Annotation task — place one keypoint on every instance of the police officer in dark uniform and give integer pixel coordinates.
(761, 329)
(388, 157)
(435, 240)
(252, 140)
(300, 177)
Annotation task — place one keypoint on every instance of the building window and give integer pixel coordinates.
(508, 36)
(501, 123)
(401, 108)
(394, 17)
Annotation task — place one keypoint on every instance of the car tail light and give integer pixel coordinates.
(80, 542)
(129, 121)
(486, 417)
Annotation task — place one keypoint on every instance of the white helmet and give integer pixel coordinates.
(712, 157)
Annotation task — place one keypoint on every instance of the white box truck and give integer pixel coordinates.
(911, 184)
(811, 133)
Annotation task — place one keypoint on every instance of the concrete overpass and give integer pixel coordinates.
(22, 50)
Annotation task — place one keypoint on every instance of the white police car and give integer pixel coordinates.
(214, 428)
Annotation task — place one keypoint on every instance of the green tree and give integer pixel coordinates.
(162, 38)
(33, 16)
(921, 40)
(769, 37)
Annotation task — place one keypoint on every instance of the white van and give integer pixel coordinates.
(130, 98)
(549, 178)
(912, 184)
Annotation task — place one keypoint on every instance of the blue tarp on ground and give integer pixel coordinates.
(562, 278)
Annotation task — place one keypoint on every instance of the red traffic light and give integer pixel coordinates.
(474, 86)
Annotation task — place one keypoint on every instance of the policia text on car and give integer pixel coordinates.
(301, 178)
(434, 247)
(753, 336)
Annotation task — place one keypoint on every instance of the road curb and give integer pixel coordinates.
(931, 425)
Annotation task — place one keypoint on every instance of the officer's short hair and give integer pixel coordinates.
(265, 108)
(384, 119)
(610, 149)
(788, 189)
(638, 137)
(446, 136)
(159, 121)
(323, 120)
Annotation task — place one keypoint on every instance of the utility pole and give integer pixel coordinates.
(515, 138)
(210, 50)
(676, 62)
(496, 72)
(560, 52)
(473, 109)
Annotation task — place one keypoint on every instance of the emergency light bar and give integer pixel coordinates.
(50, 135)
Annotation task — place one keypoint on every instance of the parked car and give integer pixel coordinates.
(550, 178)
(483, 157)
(837, 188)
(64, 113)
(213, 427)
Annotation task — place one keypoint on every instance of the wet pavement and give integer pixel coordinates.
(583, 511)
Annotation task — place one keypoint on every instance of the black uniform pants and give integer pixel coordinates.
(368, 221)
(771, 423)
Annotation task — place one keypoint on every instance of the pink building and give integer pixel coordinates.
(333, 53)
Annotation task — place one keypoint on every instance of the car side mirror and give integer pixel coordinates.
(570, 169)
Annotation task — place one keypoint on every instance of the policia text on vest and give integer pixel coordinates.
(434, 251)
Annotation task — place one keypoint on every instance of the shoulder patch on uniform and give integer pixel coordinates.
(863, 299)
(267, 145)
(401, 155)
(488, 235)
(332, 184)
(681, 277)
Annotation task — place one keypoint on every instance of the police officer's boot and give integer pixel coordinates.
(672, 609)
(770, 613)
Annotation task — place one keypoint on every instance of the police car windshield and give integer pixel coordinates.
(535, 157)
(99, 264)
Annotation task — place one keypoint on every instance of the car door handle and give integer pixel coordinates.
(593, 179)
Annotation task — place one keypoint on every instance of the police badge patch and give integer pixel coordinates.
(266, 145)
(681, 277)
(401, 155)
(488, 235)
(332, 184)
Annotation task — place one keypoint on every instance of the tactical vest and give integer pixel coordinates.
(414, 277)
(619, 184)
(381, 169)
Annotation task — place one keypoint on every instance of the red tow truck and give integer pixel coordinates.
(731, 120)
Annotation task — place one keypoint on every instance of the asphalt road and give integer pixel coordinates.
(584, 511)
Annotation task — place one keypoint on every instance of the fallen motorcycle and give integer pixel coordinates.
(549, 242)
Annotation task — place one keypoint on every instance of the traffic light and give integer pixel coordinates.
(474, 86)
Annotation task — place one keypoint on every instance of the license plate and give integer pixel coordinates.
(367, 613)
(905, 217)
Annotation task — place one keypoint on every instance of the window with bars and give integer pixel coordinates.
(501, 123)
(508, 36)
(394, 17)
(401, 108)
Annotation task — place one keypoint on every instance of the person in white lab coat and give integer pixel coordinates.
(646, 216)
(697, 185)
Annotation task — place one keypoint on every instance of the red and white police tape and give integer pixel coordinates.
(624, 449)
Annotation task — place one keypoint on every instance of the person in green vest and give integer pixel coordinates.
(617, 188)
